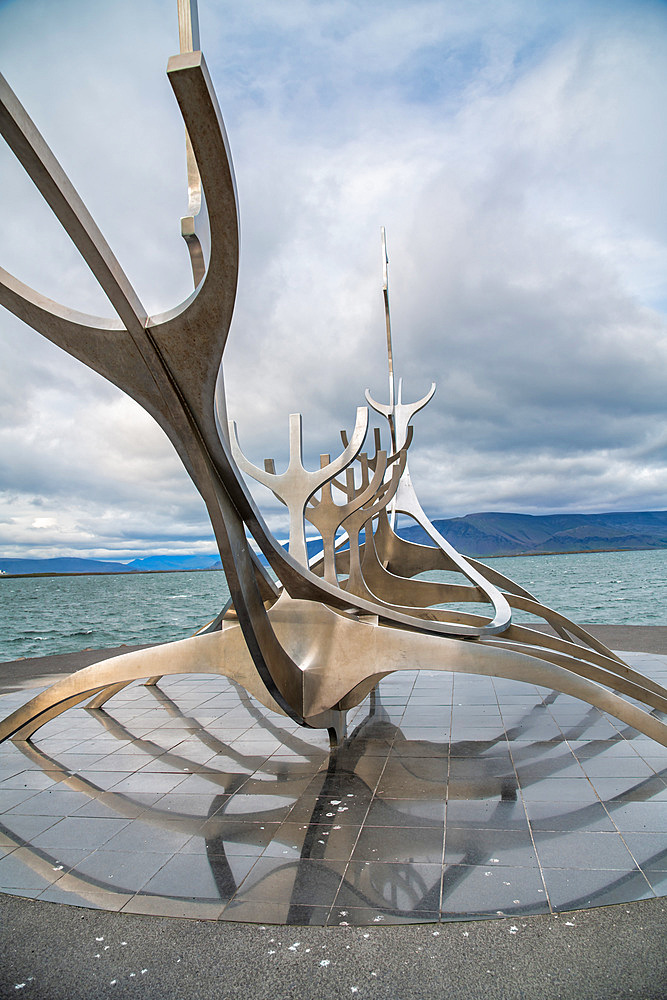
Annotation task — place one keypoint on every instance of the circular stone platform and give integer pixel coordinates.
(453, 798)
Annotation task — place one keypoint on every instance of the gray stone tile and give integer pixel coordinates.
(217, 814)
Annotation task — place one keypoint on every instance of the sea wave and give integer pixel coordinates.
(594, 587)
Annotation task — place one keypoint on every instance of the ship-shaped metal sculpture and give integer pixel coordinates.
(313, 644)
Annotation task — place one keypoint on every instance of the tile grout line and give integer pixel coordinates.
(449, 770)
(375, 788)
(523, 801)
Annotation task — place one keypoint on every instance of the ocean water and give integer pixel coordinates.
(62, 614)
(603, 588)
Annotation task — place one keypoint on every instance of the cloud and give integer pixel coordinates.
(515, 152)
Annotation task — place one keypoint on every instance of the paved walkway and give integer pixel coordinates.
(611, 953)
(53, 951)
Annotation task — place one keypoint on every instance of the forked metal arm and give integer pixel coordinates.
(297, 485)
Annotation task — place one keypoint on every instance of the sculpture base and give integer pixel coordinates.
(451, 798)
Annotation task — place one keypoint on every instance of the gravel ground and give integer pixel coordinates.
(65, 953)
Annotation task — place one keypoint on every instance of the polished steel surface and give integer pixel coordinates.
(296, 485)
(194, 225)
(315, 643)
(455, 796)
(390, 347)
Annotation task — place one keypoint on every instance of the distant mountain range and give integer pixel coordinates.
(479, 535)
(151, 564)
(499, 534)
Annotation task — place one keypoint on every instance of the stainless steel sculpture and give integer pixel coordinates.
(315, 643)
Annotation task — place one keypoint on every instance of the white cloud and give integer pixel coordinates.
(515, 152)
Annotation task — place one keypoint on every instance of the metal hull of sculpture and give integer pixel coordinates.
(316, 642)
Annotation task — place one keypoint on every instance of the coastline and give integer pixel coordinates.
(569, 552)
(219, 569)
(112, 572)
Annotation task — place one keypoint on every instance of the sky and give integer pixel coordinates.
(515, 151)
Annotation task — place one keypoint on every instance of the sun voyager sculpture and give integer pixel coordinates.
(316, 640)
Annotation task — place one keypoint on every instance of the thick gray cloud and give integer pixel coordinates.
(514, 151)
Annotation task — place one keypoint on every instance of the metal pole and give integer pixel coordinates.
(390, 353)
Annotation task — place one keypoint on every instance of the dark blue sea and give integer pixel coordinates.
(62, 614)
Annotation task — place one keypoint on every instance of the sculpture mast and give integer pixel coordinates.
(194, 225)
(398, 413)
(391, 416)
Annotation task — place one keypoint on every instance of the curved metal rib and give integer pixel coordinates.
(180, 386)
(43, 168)
(406, 502)
(350, 656)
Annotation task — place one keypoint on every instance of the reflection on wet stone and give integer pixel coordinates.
(162, 807)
